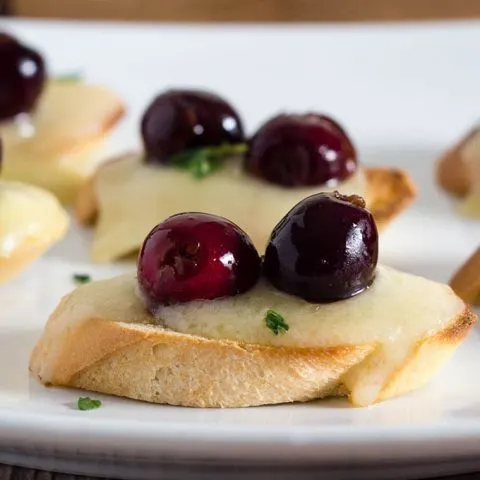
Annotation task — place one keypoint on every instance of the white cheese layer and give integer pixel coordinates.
(397, 307)
(133, 197)
(29, 216)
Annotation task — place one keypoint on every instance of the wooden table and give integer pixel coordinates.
(248, 10)
(17, 473)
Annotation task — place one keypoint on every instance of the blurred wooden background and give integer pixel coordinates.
(248, 10)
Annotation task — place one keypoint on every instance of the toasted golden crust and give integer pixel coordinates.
(82, 349)
(452, 173)
(390, 191)
(466, 281)
(85, 207)
(458, 330)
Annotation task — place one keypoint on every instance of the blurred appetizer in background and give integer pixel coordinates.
(208, 322)
(196, 157)
(52, 129)
(31, 221)
(458, 172)
(466, 281)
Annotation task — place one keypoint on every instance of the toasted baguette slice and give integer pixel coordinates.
(128, 199)
(31, 220)
(458, 173)
(466, 281)
(452, 170)
(60, 145)
(389, 192)
(101, 338)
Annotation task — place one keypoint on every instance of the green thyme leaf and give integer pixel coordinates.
(202, 162)
(81, 278)
(87, 403)
(228, 149)
(275, 322)
(69, 77)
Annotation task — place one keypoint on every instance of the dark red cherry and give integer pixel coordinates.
(179, 120)
(324, 249)
(194, 256)
(301, 150)
(6, 38)
(22, 77)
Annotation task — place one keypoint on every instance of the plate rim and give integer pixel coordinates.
(300, 443)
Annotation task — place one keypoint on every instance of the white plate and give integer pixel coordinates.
(404, 93)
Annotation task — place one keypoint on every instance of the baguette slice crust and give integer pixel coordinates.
(452, 171)
(85, 346)
(388, 192)
(466, 281)
(458, 173)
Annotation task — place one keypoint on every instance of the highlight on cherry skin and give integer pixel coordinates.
(196, 256)
(179, 120)
(325, 249)
(301, 150)
(22, 77)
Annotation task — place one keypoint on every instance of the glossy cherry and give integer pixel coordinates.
(324, 249)
(194, 256)
(22, 77)
(179, 120)
(301, 150)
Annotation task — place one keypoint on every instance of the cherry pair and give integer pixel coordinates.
(288, 150)
(324, 249)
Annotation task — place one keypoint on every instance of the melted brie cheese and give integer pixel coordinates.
(470, 154)
(57, 146)
(397, 308)
(393, 315)
(133, 197)
(30, 218)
